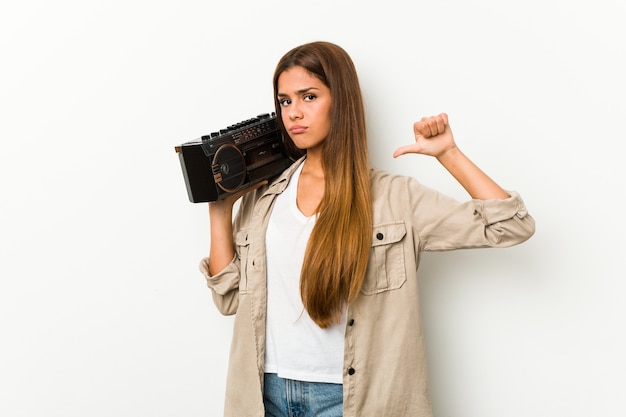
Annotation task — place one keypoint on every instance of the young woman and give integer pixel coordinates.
(320, 265)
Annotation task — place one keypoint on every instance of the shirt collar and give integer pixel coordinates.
(278, 185)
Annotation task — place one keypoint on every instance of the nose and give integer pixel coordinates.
(294, 112)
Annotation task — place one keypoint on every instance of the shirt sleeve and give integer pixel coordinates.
(443, 223)
(224, 286)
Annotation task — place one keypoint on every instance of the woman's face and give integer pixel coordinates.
(305, 107)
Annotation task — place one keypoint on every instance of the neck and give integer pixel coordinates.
(311, 186)
(313, 164)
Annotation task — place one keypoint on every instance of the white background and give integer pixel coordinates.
(102, 308)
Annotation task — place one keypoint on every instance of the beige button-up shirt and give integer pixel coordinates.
(384, 361)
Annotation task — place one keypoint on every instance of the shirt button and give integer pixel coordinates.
(379, 236)
(351, 371)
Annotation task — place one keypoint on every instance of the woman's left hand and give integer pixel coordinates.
(433, 137)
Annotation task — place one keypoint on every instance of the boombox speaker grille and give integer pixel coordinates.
(229, 168)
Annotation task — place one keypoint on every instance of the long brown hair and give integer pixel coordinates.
(338, 249)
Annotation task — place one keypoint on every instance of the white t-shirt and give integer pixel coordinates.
(296, 347)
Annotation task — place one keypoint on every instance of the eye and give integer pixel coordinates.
(284, 102)
(310, 97)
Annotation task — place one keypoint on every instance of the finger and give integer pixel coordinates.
(407, 149)
(433, 126)
(437, 125)
(402, 150)
(422, 128)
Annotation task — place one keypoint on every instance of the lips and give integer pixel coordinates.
(297, 129)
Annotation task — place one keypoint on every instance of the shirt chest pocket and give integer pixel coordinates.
(386, 268)
(242, 248)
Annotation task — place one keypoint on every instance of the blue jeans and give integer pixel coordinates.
(289, 398)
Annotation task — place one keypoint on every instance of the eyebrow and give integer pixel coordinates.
(302, 91)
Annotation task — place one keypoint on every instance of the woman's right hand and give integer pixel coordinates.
(433, 137)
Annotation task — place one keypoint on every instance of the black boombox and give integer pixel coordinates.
(222, 163)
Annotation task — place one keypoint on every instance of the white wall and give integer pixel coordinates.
(102, 309)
